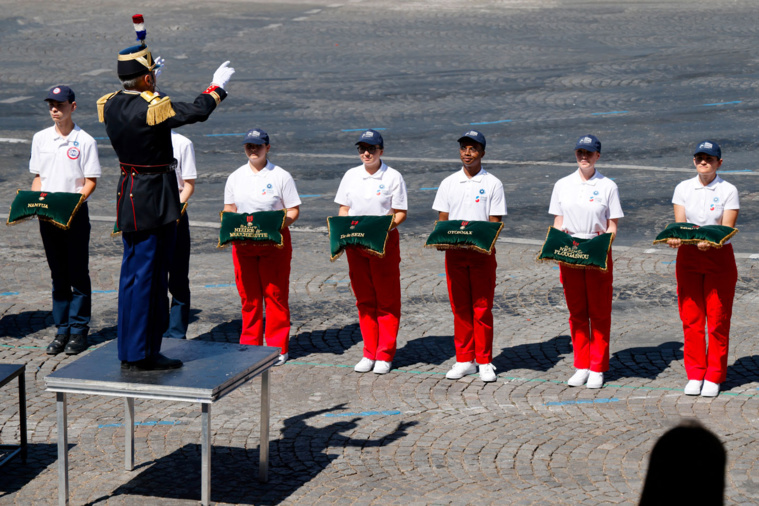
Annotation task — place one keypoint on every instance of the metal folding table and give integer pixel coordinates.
(7, 373)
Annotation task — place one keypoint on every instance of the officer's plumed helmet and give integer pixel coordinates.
(136, 61)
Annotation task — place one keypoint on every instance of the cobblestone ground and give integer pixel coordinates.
(408, 437)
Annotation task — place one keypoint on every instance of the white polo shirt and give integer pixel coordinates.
(271, 189)
(372, 194)
(63, 164)
(586, 206)
(184, 152)
(704, 205)
(475, 199)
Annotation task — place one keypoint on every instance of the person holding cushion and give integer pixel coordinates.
(473, 194)
(374, 189)
(586, 204)
(706, 276)
(262, 272)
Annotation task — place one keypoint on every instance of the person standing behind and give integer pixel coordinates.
(706, 276)
(262, 272)
(65, 159)
(179, 272)
(476, 195)
(585, 204)
(374, 189)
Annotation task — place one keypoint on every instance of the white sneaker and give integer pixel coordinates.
(364, 365)
(595, 380)
(710, 389)
(461, 369)
(693, 387)
(487, 373)
(579, 378)
(382, 367)
(282, 359)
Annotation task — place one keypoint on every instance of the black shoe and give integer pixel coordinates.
(58, 344)
(156, 363)
(77, 344)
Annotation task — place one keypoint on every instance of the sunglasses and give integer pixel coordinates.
(370, 149)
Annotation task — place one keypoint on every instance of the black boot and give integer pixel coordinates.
(77, 344)
(157, 363)
(58, 344)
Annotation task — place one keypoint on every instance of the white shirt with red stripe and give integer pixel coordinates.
(586, 206)
(704, 205)
(184, 152)
(372, 194)
(64, 163)
(475, 199)
(270, 189)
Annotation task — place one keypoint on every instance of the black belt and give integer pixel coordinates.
(128, 168)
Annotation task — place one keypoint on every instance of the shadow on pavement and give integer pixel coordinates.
(302, 452)
(643, 362)
(15, 475)
(433, 350)
(25, 323)
(540, 356)
(745, 370)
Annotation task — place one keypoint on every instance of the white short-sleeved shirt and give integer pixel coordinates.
(270, 189)
(63, 164)
(372, 194)
(586, 206)
(184, 152)
(704, 205)
(475, 199)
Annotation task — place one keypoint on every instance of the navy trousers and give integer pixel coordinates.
(67, 253)
(179, 282)
(143, 297)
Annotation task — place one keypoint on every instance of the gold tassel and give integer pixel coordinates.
(101, 106)
(159, 111)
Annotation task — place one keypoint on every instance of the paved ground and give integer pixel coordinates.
(649, 79)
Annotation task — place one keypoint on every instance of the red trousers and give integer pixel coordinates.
(588, 293)
(262, 274)
(705, 290)
(376, 283)
(471, 288)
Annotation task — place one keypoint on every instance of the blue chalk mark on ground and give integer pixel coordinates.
(442, 275)
(136, 424)
(100, 138)
(224, 135)
(556, 267)
(333, 282)
(9, 293)
(582, 401)
(104, 291)
(361, 129)
(723, 103)
(669, 263)
(365, 413)
(427, 189)
(309, 196)
(220, 285)
(609, 112)
(491, 122)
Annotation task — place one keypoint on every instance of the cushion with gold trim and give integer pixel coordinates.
(57, 208)
(366, 232)
(688, 233)
(462, 234)
(263, 227)
(571, 251)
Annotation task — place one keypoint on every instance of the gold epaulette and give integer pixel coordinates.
(101, 105)
(159, 108)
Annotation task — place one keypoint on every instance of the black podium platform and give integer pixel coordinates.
(210, 371)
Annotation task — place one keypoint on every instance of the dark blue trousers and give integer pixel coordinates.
(179, 282)
(143, 297)
(67, 253)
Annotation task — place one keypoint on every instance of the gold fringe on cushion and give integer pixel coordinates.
(367, 250)
(101, 105)
(262, 244)
(695, 242)
(576, 266)
(62, 226)
(489, 251)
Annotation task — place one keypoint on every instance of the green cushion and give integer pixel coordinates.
(462, 234)
(55, 207)
(688, 233)
(366, 232)
(263, 227)
(562, 248)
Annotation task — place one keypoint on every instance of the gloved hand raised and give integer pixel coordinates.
(160, 63)
(222, 75)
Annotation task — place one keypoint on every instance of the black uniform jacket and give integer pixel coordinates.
(147, 196)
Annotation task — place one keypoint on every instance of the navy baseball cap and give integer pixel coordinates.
(588, 143)
(710, 148)
(60, 94)
(256, 136)
(371, 137)
(475, 136)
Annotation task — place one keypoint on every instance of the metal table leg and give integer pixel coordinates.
(129, 433)
(22, 413)
(263, 462)
(205, 456)
(63, 450)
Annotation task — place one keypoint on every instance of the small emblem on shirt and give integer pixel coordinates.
(72, 153)
(269, 186)
(76, 143)
(482, 191)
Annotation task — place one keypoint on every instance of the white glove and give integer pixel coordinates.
(158, 67)
(222, 75)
